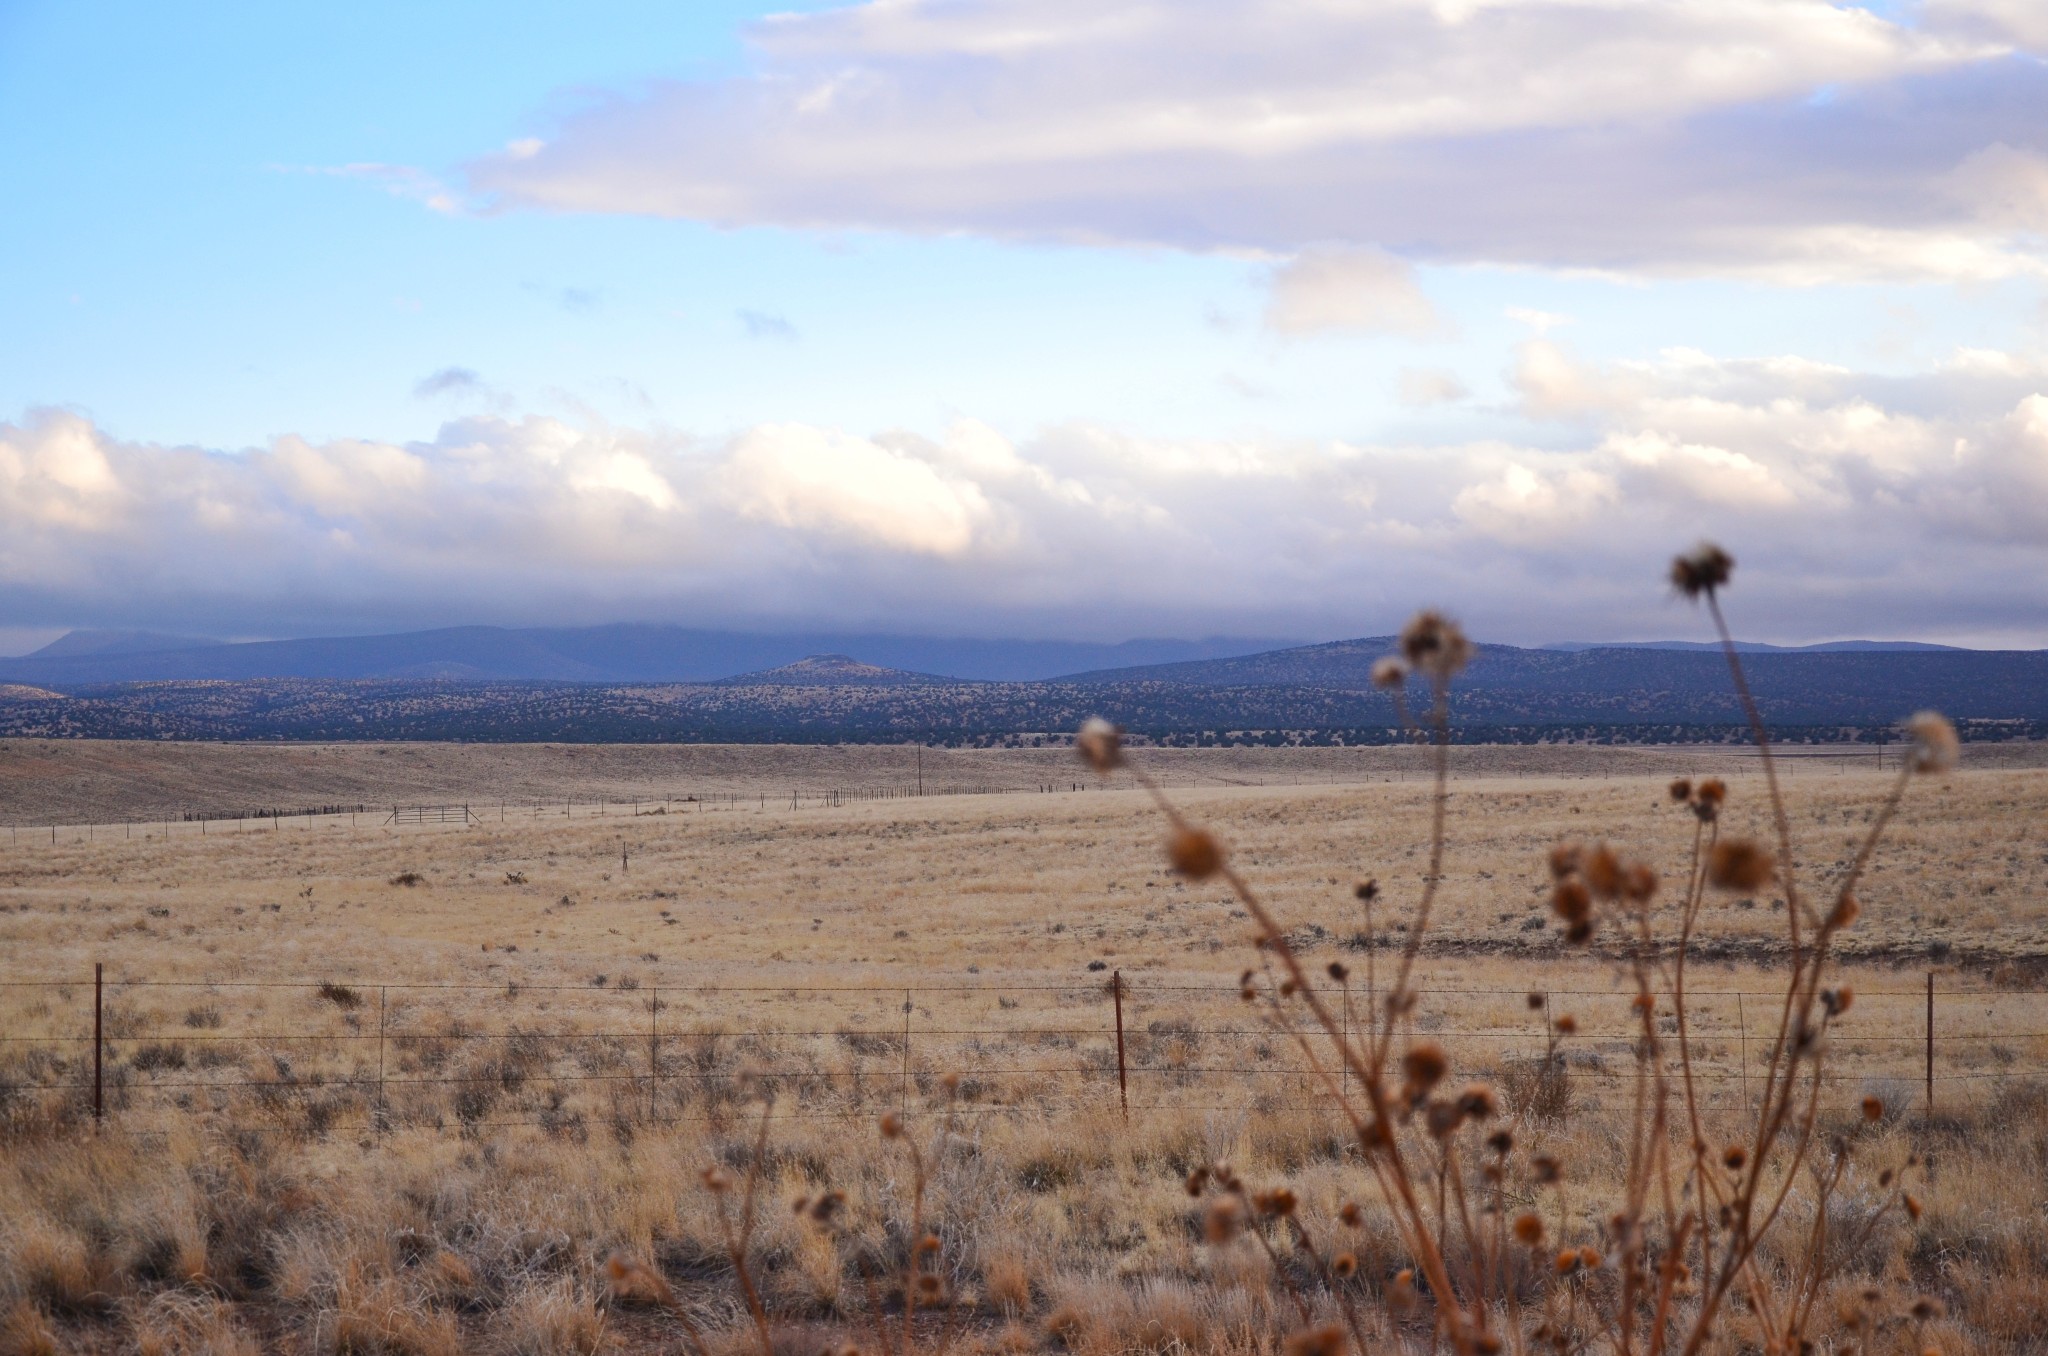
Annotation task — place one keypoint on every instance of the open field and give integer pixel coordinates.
(531, 1043)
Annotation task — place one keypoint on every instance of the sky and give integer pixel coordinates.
(1087, 319)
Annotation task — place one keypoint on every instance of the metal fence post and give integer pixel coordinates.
(382, 1105)
(903, 1094)
(653, 1047)
(1930, 1045)
(1742, 1037)
(99, 1105)
(1123, 1089)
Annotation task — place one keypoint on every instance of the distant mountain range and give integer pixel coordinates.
(623, 653)
(425, 686)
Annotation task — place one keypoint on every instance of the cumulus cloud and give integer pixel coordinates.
(762, 325)
(1792, 139)
(1421, 386)
(448, 381)
(1892, 505)
(1348, 289)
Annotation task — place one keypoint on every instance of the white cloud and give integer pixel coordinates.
(1429, 386)
(1886, 505)
(1796, 140)
(1348, 289)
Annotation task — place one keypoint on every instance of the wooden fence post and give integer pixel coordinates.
(1123, 1089)
(653, 1047)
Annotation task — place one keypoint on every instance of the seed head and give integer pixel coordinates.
(1734, 1156)
(1928, 1307)
(1844, 913)
(716, 1179)
(1603, 872)
(1740, 864)
(1195, 853)
(1436, 645)
(1912, 1204)
(1351, 1214)
(1339, 971)
(1198, 1181)
(1701, 570)
(892, 1125)
(1873, 1108)
(1279, 1201)
(1571, 901)
(1425, 1065)
(1935, 746)
(1476, 1101)
(1567, 1025)
(1222, 1220)
(1547, 1169)
(1367, 891)
(1681, 790)
(1389, 672)
(1707, 798)
(1325, 1339)
(1100, 744)
(1344, 1266)
(1528, 1230)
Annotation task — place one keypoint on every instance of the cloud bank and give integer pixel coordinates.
(1794, 140)
(1858, 505)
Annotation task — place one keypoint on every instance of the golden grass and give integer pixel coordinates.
(478, 1215)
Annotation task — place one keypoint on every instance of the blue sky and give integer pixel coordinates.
(665, 286)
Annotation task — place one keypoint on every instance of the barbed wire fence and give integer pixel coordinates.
(374, 1058)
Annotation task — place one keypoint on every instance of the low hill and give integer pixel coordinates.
(620, 653)
(832, 670)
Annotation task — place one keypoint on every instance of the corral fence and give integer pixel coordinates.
(624, 1051)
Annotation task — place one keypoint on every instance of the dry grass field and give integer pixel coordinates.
(406, 1089)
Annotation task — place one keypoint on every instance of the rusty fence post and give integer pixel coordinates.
(99, 1104)
(1123, 1087)
(903, 1093)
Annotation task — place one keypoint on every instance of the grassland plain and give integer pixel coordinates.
(405, 1089)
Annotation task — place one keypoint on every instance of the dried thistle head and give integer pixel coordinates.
(1602, 869)
(1701, 570)
(1529, 1229)
(1391, 671)
(1707, 798)
(1100, 744)
(1873, 1108)
(1477, 1102)
(1344, 1266)
(716, 1180)
(1565, 859)
(1367, 891)
(1681, 790)
(1279, 1202)
(1740, 864)
(1572, 901)
(892, 1125)
(1195, 853)
(1935, 746)
(1844, 913)
(1436, 645)
(1423, 1067)
(1222, 1220)
(1324, 1339)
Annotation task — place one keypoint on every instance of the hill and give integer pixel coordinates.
(620, 653)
